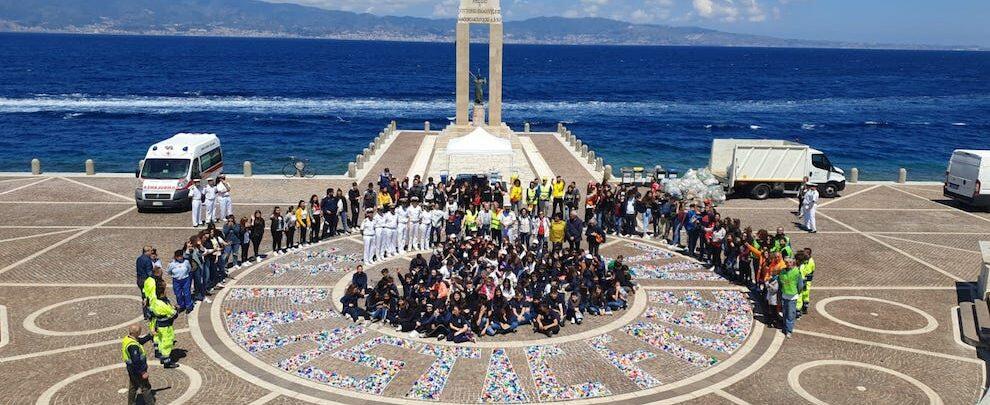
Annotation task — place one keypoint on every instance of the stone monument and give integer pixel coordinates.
(488, 12)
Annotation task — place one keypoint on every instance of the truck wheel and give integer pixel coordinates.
(760, 191)
(831, 190)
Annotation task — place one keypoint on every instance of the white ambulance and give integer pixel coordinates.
(967, 179)
(174, 165)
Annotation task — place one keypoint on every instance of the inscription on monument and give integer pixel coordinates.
(480, 12)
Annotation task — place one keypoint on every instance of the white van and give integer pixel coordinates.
(174, 165)
(967, 179)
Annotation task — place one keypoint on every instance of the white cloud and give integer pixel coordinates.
(730, 10)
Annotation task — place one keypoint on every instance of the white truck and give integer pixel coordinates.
(967, 178)
(174, 165)
(761, 168)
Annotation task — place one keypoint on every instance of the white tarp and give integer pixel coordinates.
(479, 142)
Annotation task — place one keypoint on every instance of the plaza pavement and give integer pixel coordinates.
(893, 263)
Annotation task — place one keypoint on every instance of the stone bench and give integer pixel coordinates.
(967, 321)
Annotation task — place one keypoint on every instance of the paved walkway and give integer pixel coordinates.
(893, 262)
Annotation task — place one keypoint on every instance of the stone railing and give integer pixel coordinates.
(584, 152)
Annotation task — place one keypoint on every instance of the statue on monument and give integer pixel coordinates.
(479, 87)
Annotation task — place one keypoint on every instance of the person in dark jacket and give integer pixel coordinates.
(136, 360)
(574, 231)
(595, 235)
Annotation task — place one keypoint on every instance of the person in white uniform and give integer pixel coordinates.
(210, 198)
(223, 197)
(196, 203)
(401, 227)
(415, 216)
(380, 247)
(424, 228)
(391, 223)
(811, 209)
(368, 233)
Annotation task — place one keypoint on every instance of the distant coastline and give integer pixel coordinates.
(365, 37)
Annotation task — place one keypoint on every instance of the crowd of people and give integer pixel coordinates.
(489, 258)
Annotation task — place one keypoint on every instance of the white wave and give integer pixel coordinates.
(959, 124)
(708, 126)
(871, 123)
(808, 126)
(755, 127)
(441, 107)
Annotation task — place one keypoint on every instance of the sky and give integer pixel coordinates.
(932, 22)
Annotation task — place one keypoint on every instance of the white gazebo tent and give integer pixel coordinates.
(479, 152)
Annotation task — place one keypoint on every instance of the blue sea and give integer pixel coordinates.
(66, 98)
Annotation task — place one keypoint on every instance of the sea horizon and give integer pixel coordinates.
(635, 105)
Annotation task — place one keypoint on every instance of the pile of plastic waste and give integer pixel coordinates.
(695, 185)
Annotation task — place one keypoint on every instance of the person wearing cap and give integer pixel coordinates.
(423, 227)
(210, 201)
(811, 209)
(415, 213)
(391, 223)
(368, 235)
(223, 197)
(402, 226)
(196, 203)
(380, 246)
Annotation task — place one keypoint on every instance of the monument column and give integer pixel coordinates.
(495, 74)
(463, 72)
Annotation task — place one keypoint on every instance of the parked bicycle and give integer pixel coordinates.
(298, 167)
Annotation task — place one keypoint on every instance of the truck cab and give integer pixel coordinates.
(171, 167)
(830, 179)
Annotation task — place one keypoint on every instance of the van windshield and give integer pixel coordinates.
(165, 169)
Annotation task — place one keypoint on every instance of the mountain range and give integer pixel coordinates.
(253, 18)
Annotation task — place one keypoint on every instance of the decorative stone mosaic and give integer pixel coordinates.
(501, 381)
(314, 262)
(547, 385)
(295, 295)
(626, 363)
(430, 385)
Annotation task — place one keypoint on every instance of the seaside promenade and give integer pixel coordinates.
(894, 261)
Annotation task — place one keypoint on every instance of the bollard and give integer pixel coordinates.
(591, 157)
(854, 175)
(90, 167)
(526, 127)
(608, 173)
(599, 164)
(584, 150)
(577, 144)
(248, 168)
(351, 170)
(35, 166)
(393, 125)
(560, 128)
(426, 127)
(902, 176)
(371, 147)
(360, 162)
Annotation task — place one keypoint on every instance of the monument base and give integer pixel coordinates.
(478, 119)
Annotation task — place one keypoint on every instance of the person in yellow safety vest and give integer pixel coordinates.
(497, 225)
(163, 317)
(545, 191)
(531, 197)
(557, 227)
(150, 290)
(136, 361)
(809, 273)
(515, 195)
(470, 223)
(558, 195)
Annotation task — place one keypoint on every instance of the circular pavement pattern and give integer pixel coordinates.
(100, 313)
(112, 373)
(885, 384)
(667, 338)
(878, 316)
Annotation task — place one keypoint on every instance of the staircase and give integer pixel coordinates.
(974, 316)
